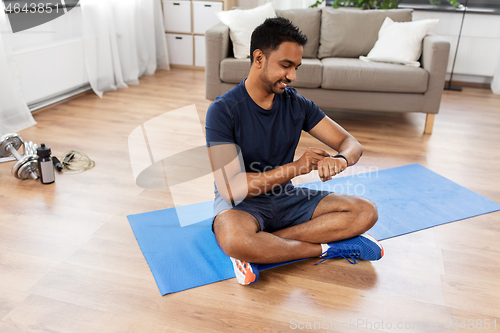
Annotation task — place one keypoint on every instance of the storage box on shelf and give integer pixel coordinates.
(180, 49)
(177, 15)
(185, 24)
(204, 15)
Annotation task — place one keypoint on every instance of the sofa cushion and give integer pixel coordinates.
(308, 21)
(354, 74)
(241, 23)
(400, 42)
(307, 76)
(234, 70)
(353, 33)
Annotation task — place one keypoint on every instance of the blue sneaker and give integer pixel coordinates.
(363, 247)
(246, 273)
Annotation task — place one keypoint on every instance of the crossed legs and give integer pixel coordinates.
(336, 217)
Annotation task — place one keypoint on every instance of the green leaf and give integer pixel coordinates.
(376, 4)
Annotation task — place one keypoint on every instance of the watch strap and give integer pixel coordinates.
(343, 156)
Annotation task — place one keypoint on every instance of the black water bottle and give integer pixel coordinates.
(45, 166)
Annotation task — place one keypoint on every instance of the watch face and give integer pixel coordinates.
(26, 14)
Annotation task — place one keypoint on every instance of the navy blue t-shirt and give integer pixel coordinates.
(267, 138)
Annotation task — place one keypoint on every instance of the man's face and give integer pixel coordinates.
(279, 68)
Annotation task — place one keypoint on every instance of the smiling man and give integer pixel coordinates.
(252, 132)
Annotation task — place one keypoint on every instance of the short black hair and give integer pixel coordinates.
(269, 35)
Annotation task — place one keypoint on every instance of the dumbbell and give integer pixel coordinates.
(26, 165)
(5, 154)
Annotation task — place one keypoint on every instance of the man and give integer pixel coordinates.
(252, 132)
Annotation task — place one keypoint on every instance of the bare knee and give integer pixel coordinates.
(367, 214)
(234, 236)
(361, 213)
(227, 237)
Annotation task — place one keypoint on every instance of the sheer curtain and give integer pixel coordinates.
(123, 40)
(14, 112)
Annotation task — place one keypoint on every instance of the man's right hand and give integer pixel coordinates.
(309, 160)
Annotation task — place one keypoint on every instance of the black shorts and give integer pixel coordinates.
(283, 207)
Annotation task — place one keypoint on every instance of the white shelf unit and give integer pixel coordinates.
(185, 24)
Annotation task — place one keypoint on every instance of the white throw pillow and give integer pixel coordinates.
(241, 23)
(400, 42)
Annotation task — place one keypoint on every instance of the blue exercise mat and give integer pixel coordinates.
(409, 198)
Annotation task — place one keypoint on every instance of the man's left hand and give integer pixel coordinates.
(329, 167)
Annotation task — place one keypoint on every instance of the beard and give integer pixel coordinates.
(270, 85)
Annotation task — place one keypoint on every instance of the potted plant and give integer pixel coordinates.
(375, 4)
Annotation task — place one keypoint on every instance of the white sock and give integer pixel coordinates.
(324, 247)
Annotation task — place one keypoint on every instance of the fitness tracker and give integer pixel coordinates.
(340, 155)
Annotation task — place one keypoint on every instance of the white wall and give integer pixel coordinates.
(479, 50)
(49, 58)
(67, 26)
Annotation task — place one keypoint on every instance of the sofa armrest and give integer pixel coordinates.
(435, 52)
(216, 48)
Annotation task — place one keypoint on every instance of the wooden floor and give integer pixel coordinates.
(69, 261)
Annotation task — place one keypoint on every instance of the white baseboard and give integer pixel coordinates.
(470, 78)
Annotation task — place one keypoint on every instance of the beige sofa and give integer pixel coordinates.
(332, 75)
